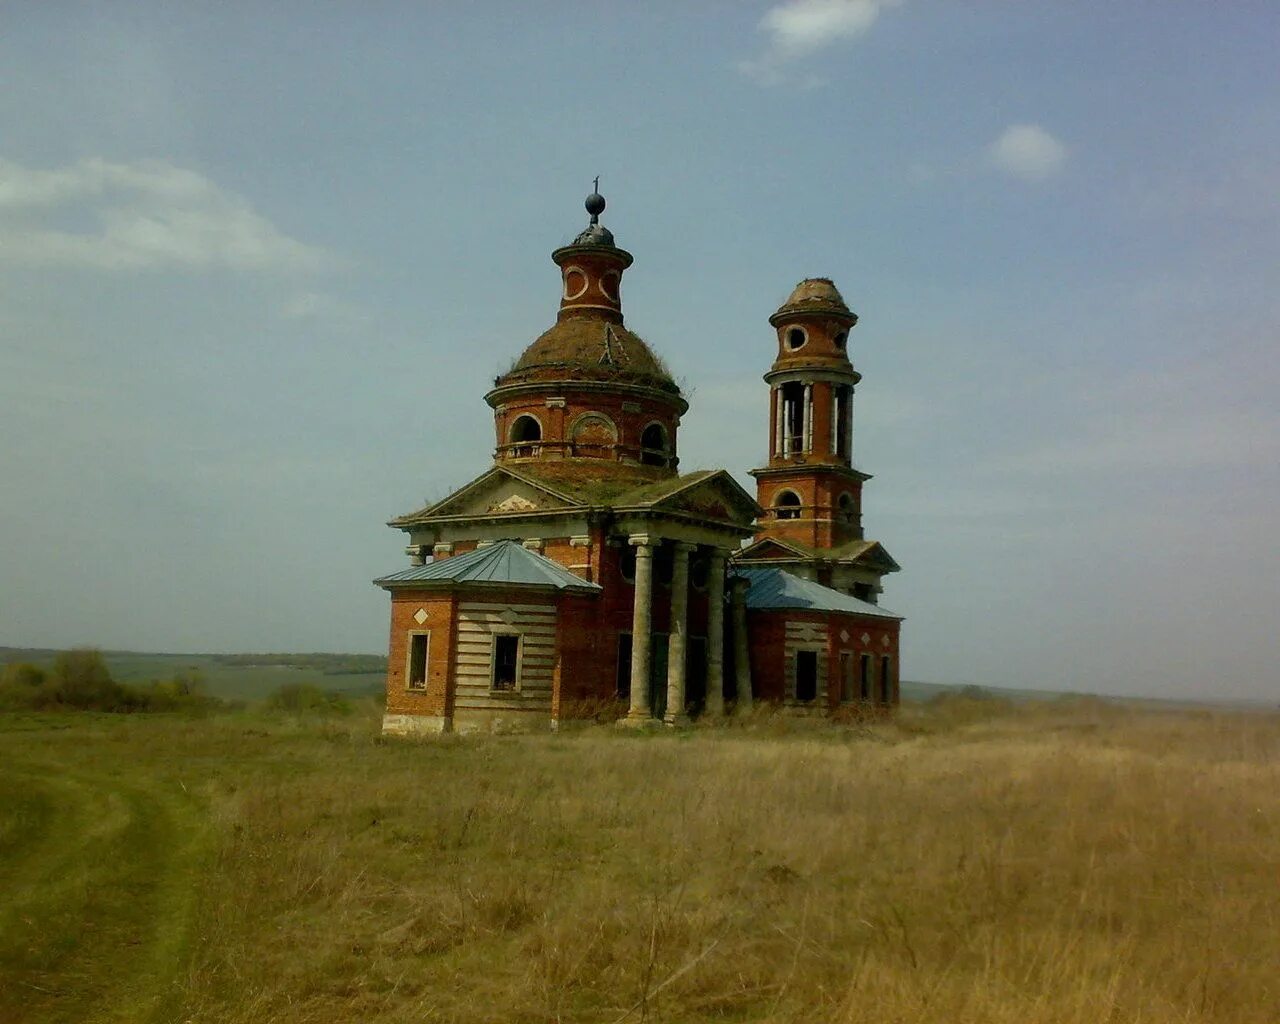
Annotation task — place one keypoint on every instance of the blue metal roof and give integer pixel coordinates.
(774, 588)
(505, 562)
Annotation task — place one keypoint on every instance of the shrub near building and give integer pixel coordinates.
(80, 680)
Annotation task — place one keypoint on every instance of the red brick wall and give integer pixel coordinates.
(441, 620)
(557, 422)
(819, 495)
(769, 670)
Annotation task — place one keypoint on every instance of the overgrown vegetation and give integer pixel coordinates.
(975, 861)
(80, 680)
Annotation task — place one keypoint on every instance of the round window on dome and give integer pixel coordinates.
(575, 283)
(796, 338)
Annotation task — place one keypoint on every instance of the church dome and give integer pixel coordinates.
(581, 348)
(813, 295)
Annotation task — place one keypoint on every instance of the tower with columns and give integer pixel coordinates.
(583, 571)
(810, 490)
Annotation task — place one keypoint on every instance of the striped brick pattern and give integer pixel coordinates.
(478, 623)
(806, 636)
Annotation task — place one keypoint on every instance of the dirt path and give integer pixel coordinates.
(98, 880)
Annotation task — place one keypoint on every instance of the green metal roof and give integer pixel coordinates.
(774, 588)
(505, 562)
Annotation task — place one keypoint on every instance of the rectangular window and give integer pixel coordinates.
(419, 644)
(864, 686)
(846, 676)
(886, 681)
(806, 675)
(506, 661)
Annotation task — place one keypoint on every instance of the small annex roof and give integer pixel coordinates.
(870, 552)
(505, 563)
(775, 589)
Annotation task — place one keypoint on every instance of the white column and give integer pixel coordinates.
(807, 430)
(837, 398)
(779, 421)
(741, 647)
(641, 631)
(678, 632)
(714, 707)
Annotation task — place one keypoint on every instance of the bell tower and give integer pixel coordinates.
(809, 490)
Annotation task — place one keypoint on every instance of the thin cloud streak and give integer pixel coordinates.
(147, 215)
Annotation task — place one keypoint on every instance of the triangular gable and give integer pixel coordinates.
(771, 547)
(875, 556)
(498, 491)
(710, 495)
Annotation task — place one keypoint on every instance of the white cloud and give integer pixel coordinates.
(1027, 151)
(144, 215)
(799, 28)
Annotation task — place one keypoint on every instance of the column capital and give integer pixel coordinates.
(642, 541)
(683, 547)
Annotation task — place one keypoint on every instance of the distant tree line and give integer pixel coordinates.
(80, 680)
(327, 664)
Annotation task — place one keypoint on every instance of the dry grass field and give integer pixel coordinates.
(973, 861)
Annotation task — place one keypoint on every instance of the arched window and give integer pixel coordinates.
(787, 505)
(848, 513)
(627, 563)
(593, 435)
(796, 337)
(841, 340)
(653, 445)
(525, 434)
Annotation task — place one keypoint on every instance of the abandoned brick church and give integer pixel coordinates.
(583, 568)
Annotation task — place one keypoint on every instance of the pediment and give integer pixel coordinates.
(876, 557)
(498, 492)
(765, 549)
(717, 496)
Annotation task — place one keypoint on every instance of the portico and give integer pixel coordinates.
(695, 560)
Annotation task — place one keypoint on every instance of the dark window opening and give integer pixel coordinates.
(624, 667)
(627, 563)
(864, 592)
(506, 661)
(525, 428)
(653, 445)
(418, 661)
(664, 564)
(886, 681)
(864, 685)
(844, 409)
(526, 432)
(796, 338)
(787, 505)
(841, 340)
(806, 675)
(846, 676)
(848, 510)
(699, 572)
(793, 433)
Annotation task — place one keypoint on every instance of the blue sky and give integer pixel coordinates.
(259, 263)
